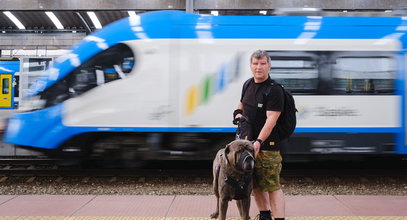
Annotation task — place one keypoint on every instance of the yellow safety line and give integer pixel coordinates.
(195, 218)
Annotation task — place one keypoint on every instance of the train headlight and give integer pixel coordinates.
(13, 126)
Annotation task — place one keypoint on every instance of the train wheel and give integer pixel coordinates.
(119, 152)
(106, 152)
(133, 152)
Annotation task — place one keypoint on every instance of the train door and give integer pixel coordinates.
(6, 100)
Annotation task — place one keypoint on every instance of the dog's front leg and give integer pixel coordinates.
(223, 207)
(245, 205)
(216, 213)
(239, 207)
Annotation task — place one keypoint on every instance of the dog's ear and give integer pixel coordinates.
(250, 147)
(227, 150)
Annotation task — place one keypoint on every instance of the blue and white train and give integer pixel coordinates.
(163, 85)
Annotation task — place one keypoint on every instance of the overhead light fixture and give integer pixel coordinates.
(215, 13)
(263, 12)
(94, 19)
(132, 14)
(14, 19)
(54, 20)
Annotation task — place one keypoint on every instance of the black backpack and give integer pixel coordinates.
(288, 120)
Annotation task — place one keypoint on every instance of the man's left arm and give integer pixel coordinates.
(265, 132)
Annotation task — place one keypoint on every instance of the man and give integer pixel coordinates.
(262, 113)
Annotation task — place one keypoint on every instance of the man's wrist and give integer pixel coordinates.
(260, 141)
(236, 112)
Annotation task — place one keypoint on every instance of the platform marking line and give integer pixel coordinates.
(194, 218)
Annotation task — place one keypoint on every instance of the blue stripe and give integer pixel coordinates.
(9, 67)
(24, 129)
(348, 130)
(233, 129)
(401, 148)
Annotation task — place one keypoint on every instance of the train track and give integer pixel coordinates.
(50, 167)
(43, 176)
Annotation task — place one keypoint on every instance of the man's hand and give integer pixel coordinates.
(237, 114)
(256, 146)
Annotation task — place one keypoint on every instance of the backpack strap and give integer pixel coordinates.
(267, 91)
(245, 85)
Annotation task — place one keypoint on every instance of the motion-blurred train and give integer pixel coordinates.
(163, 85)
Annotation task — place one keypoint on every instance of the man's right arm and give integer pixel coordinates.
(239, 106)
(237, 113)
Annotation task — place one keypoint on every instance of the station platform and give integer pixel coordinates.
(81, 207)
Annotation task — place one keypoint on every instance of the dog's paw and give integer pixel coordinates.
(214, 215)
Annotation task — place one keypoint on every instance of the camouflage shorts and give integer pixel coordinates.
(267, 171)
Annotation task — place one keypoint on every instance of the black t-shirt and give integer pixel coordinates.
(255, 105)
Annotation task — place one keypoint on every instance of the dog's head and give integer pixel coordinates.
(239, 154)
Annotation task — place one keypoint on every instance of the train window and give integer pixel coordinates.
(5, 86)
(334, 72)
(364, 75)
(112, 64)
(297, 72)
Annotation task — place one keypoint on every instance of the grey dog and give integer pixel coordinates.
(232, 177)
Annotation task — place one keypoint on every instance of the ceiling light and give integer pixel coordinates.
(132, 14)
(14, 20)
(94, 19)
(215, 13)
(263, 12)
(54, 19)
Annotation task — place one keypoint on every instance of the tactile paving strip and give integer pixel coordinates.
(196, 218)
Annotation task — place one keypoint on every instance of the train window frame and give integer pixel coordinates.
(286, 75)
(320, 77)
(366, 82)
(91, 74)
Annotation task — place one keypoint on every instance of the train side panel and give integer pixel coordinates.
(188, 80)
(141, 100)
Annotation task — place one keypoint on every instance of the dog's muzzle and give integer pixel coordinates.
(245, 162)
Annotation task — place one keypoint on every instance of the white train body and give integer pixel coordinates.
(187, 82)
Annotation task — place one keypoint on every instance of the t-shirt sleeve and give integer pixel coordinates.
(241, 94)
(275, 100)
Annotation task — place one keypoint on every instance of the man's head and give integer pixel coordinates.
(260, 65)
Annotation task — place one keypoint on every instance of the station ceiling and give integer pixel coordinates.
(38, 21)
(73, 16)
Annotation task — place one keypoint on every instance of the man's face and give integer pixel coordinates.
(260, 68)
